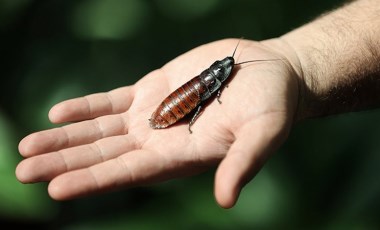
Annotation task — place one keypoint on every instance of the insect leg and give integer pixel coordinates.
(220, 94)
(195, 117)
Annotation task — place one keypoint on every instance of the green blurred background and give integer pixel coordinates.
(326, 176)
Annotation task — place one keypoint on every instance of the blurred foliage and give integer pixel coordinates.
(17, 199)
(324, 177)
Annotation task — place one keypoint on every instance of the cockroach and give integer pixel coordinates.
(190, 95)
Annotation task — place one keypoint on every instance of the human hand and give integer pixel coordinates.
(112, 146)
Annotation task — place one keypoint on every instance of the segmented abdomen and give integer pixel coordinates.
(179, 103)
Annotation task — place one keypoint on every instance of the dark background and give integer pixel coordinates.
(326, 176)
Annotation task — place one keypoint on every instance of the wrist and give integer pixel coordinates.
(295, 70)
(339, 59)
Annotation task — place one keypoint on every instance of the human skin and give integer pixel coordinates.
(328, 66)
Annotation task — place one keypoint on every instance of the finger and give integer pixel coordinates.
(254, 143)
(91, 106)
(131, 169)
(73, 135)
(139, 167)
(47, 166)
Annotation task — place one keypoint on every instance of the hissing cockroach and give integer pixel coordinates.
(191, 95)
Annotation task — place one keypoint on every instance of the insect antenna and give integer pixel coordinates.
(233, 54)
(256, 61)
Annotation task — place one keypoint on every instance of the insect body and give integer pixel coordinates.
(191, 95)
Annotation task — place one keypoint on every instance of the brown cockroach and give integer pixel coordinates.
(191, 94)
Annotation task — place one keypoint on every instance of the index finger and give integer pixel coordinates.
(135, 168)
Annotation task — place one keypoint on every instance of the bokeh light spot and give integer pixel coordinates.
(108, 19)
(187, 9)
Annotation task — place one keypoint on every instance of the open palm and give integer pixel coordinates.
(111, 144)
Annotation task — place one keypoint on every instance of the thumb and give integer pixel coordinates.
(253, 145)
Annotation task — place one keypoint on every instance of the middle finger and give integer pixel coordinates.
(73, 135)
(47, 166)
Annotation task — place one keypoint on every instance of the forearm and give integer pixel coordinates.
(338, 60)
